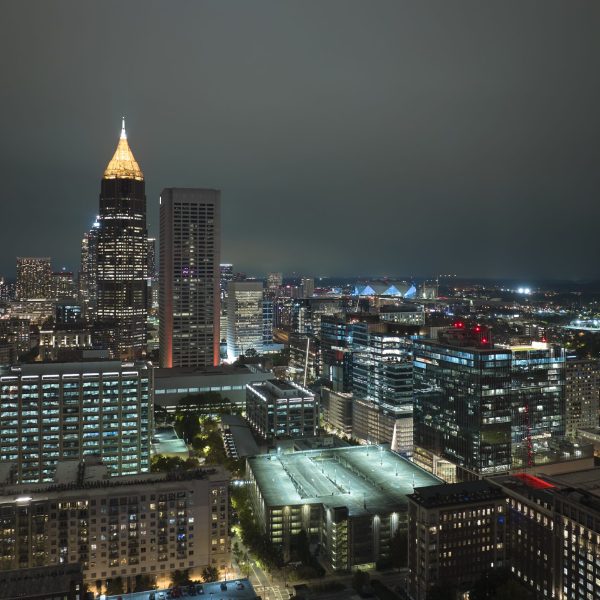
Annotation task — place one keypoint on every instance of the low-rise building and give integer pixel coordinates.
(171, 385)
(351, 500)
(337, 410)
(277, 408)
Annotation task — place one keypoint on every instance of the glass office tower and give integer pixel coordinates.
(538, 399)
(462, 409)
(382, 369)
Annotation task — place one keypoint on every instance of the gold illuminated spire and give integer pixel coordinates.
(123, 165)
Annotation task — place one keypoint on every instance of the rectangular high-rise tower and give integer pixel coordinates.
(33, 278)
(190, 242)
(245, 318)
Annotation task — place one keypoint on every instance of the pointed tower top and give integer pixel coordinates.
(123, 164)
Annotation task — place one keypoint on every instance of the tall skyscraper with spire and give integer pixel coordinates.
(121, 265)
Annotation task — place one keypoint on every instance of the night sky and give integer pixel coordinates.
(347, 137)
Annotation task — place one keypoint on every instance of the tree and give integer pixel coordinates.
(399, 548)
(180, 577)
(166, 464)
(485, 587)
(359, 580)
(144, 582)
(512, 590)
(187, 426)
(161, 415)
(210, 573)
(114, 586)
(441, 592)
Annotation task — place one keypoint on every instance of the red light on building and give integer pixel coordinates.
(459, 324)
(477, 329)
(484, 340)
(534, 482)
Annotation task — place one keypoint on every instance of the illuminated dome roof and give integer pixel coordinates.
(123, 165)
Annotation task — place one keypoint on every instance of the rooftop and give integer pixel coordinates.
(238, 437)
(278, 388)
(163, 373)
(366, 479)
(79, 368)
(452, 494)
(91, 474)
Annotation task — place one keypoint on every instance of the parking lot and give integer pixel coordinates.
(237, 589)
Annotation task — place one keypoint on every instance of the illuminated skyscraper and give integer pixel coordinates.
(244, 318)
(34, 277)
(189, 277)
(87, 270)
(274, 281)
(121, 253)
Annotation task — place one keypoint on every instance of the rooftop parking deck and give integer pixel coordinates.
(366, 479)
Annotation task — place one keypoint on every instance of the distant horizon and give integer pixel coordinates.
(345, 136)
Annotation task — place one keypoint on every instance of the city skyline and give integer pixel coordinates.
(351, 154)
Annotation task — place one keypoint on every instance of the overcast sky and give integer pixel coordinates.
(347, 137)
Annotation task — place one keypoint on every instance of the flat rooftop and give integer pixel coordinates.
(166, 441)
(366, 479)
(242, 439)
(452, 494)
(274, 389)
(162, 373)
(588, 480)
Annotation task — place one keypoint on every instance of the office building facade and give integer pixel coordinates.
(462, 407)
(88, 271)
(537, 400)
(456, 533)
(190, 224)
(121, 263)
(34, 278)
(582, 392)
(57, 411)
(382, 369)
(277, 409)
(245, 328)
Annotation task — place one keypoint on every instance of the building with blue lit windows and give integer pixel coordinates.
(55, 411)
(462, 406)
(483, 408)
(277, 408)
